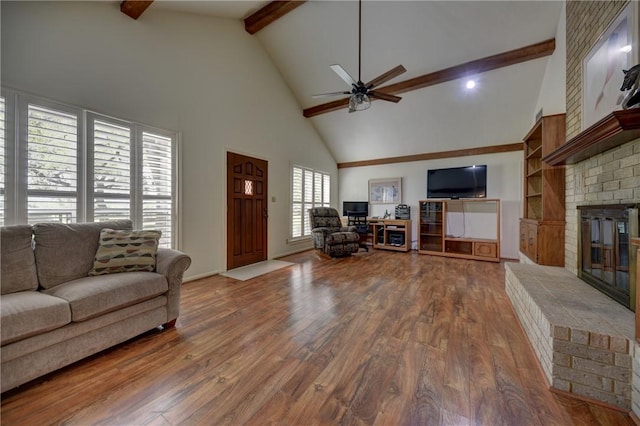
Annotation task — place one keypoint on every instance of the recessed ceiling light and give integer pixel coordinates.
(471, 84)
(626, 49)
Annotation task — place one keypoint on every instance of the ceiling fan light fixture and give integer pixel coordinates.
(362, 93)
(359, 102)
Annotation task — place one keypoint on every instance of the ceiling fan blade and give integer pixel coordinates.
(385, 96)
(386, 76)
(324, 95)
(343, 74)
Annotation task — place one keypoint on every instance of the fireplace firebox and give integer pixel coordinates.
(606, 259)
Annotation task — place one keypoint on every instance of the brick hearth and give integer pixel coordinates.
(583, 339)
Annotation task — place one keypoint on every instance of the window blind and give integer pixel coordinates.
(59, 163)
(309, 188)
(157, 184)
(52, 165)
(3, 145)
(111, 171)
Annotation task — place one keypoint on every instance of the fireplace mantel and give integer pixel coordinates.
(615, 129)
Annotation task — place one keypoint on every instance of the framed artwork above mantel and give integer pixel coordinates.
(616, 49)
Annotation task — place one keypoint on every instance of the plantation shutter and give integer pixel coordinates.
(112, 173)
(52, 175)
(296, 197)
(317, 185)
(308, 200)
(59, 163)
(309, 189)
(157, 185)
(3, 147)
(326, 190)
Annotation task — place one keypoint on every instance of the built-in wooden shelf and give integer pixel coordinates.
(615, 129)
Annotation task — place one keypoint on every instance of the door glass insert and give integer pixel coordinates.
(248, 187)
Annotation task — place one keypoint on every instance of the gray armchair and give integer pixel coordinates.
(329, 236)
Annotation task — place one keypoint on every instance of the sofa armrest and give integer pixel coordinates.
(172, 264)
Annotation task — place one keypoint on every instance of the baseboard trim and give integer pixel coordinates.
(590, 400)
(200, 276)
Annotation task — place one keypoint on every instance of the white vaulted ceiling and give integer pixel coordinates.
(424, 36)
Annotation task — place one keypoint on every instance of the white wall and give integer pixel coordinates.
(204, 77)
(552, 96)
(504, 181)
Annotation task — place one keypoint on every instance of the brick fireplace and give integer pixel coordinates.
(585, 341)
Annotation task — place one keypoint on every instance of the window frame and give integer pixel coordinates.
(16, 190)
(21, 145)
(141, 129)
(90, 205)
(324, 190)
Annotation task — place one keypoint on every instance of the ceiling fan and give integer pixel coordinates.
(361, 93)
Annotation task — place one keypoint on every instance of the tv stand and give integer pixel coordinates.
(391, 234)
(476, 222)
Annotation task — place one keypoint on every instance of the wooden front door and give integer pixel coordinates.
(246, 210)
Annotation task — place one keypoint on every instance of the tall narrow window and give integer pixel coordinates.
(296, 203)
(307, 200)
(111, 171)
(157, 184)
(52, 165)
(3, 147)
(309, 188)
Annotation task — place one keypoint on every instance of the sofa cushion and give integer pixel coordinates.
(126, 251)
(17, 262)
(27, 313)
(93, 296)
(65, 252)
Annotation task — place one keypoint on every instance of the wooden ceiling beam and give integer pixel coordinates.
(134, 8)
(483, 150)
(270, 13)
(512, 57)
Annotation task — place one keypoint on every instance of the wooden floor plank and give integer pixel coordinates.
(376, 338)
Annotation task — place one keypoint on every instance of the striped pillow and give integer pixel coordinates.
(125, 251)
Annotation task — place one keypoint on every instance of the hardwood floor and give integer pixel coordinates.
(379, 338)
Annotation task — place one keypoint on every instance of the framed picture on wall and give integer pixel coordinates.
(385, 191)
(602, 76)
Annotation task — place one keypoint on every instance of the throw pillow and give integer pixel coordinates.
(126, 251)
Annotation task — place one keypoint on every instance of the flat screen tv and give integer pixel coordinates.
(355, 206)
(457, 182)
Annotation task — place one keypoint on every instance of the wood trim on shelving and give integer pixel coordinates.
(534, 152)
(494, 149)
(615, 129)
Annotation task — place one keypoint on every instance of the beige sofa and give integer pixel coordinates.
(53, 314)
